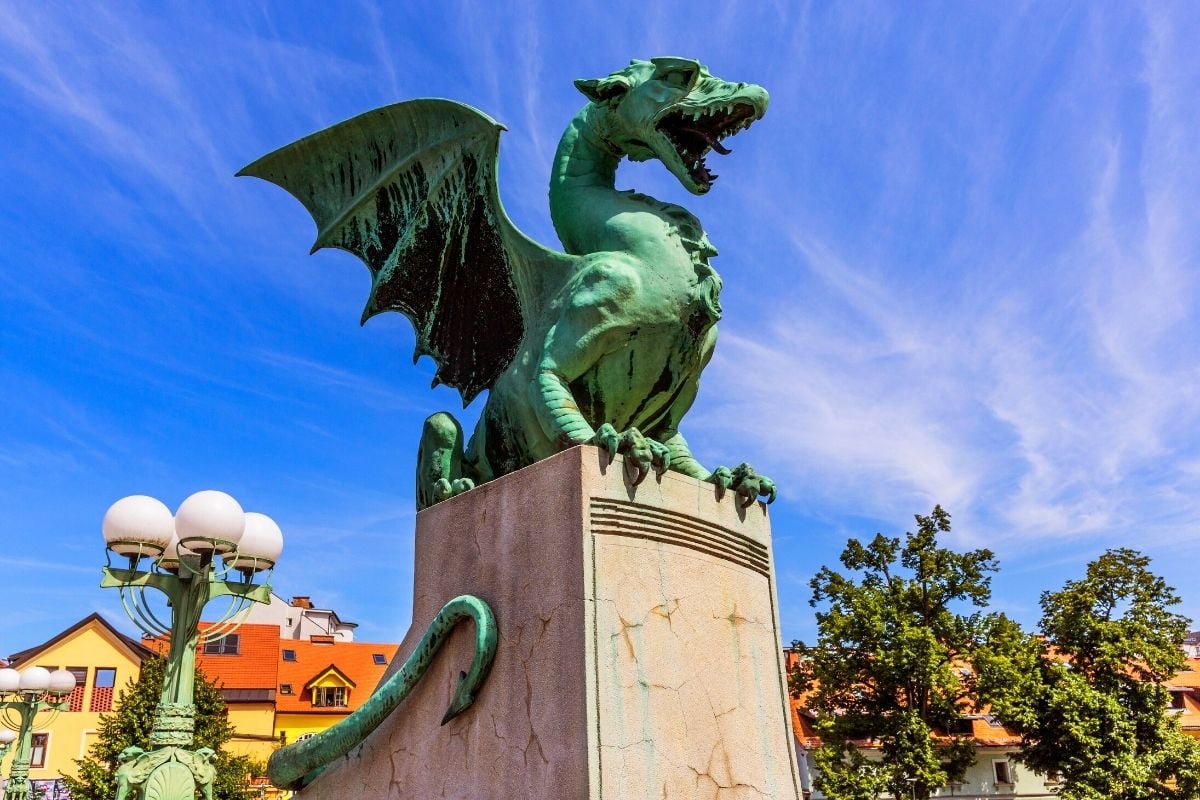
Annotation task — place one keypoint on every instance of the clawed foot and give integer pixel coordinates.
(745, 483)
(642, 453)
(444, 489)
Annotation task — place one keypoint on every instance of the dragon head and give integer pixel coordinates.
(674, 110)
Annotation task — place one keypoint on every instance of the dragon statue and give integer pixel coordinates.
(603, 343)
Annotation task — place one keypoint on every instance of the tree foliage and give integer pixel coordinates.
(1089, 699)
(888, 665)
(131, 723)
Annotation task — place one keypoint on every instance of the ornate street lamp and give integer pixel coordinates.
(209, 550)
(23, 696)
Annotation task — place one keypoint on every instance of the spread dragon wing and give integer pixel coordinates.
(411, 189)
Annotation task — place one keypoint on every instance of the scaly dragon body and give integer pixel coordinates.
(603, 343)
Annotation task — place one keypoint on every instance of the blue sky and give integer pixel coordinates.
(960, 256)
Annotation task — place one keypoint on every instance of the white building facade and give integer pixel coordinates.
(300, 619)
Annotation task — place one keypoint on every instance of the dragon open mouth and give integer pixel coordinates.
(695, 131)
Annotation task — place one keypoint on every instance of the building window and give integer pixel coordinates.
(102, 690)
(285, 688)
(289, 655)
(75, 699)
(225, 646)
(379, 658)
(1177, 700)
(329, 696)
(961, 726)
(304, 736)
(1003, 771)
(37, 750)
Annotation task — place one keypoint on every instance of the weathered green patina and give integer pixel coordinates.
(603, 343)
(296, 765)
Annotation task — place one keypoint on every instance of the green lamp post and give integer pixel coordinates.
(209, 550)
(23, 696)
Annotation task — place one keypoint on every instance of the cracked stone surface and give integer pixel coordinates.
(638, 657)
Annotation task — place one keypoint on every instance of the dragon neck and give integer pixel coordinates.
(582, 193)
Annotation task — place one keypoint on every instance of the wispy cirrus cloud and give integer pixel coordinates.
(1062, 412)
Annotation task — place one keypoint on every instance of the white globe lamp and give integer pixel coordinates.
(209, 521)
(10, 680)
(261, 544)
(61, 682)
(35, 679)
(7, 737)
(133, 522)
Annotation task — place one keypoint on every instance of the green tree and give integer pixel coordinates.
(889, 662)
(130, 724)
(1089, 699)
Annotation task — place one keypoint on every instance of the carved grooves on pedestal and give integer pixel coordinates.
(621, 518)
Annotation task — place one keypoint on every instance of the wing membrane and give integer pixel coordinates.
(411, 190)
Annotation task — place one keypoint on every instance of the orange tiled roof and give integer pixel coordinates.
(1189, 676)
(355, 660)
(255, 665)
(983, 731)
(1189, 679)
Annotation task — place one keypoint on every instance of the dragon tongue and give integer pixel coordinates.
(710, 139)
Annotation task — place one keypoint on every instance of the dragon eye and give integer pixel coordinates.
(679, 78)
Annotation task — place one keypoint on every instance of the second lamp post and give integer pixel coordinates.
(24, 695)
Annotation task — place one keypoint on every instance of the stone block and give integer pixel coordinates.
(639, 652)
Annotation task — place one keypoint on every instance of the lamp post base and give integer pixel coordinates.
(166, 773)
(18, 783)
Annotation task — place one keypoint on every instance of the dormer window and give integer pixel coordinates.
(329, 696)
(330, 688)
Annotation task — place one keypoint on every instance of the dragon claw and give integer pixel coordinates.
(607, 438)
(642, 454)
(747, 484)
(444, 489)
(660, 457)
(722, 477)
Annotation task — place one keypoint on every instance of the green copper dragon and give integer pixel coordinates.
(603, 343)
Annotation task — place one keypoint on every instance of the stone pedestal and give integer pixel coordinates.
(639, 652)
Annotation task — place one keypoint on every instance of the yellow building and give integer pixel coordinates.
(280, 684)
(103, 660)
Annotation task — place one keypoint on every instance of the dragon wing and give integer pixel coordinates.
(411, 189)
